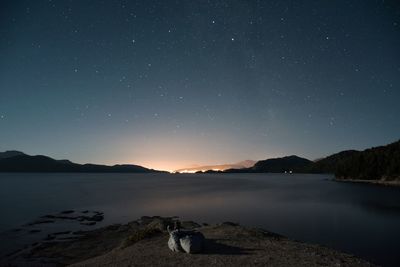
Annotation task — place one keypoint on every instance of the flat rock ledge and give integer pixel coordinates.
(144, 243)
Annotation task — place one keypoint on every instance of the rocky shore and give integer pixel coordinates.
(395, 182)
(144, 243)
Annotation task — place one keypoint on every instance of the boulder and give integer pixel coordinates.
(173, 242)
(185, 240)
(192, 243)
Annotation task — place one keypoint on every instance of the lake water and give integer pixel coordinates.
(357, 218)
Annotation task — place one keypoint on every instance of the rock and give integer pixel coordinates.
(67, 212)
(62, 233)
(230, 223)
(40, 222)
(88, 223)
(190, 225)
(96, 218)
(49, 216)
(133, 225)
(173, 241)
(192, 243)
(184, 240)
(160, 223)
(145, 219)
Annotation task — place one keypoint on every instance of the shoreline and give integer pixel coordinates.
(372, 182)
(143, 242)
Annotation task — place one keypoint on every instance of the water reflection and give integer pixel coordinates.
(357, 218)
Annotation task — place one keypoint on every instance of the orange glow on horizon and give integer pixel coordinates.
(194, 170)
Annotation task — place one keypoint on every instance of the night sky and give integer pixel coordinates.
(167, 84)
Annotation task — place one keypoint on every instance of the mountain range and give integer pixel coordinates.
(16, 161)
(377, 163)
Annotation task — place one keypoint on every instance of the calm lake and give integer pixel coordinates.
(357, 218)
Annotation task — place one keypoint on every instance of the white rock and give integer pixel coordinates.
(192, 243)
(173, 242)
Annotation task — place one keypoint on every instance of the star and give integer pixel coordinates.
(332, 121)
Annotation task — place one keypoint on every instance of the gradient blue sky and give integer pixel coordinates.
(167, 84)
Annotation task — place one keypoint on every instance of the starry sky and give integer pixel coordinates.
(167, 84)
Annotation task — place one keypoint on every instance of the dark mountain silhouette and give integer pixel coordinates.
(20, 162)
(277, 165)
(290, 163)
(10, 153)
(377, 163)
(330, 163)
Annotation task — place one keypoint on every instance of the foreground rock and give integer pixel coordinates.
(144, 243)
(189, 241)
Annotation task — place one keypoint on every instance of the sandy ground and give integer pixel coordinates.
(227, 244)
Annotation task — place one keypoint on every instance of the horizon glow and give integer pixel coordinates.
(170, 84)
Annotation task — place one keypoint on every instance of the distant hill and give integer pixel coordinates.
(10, 153)
(14, 161)
(378, 163)
(330, 163)
(277, 165)
(290, 163)
(220, 167)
